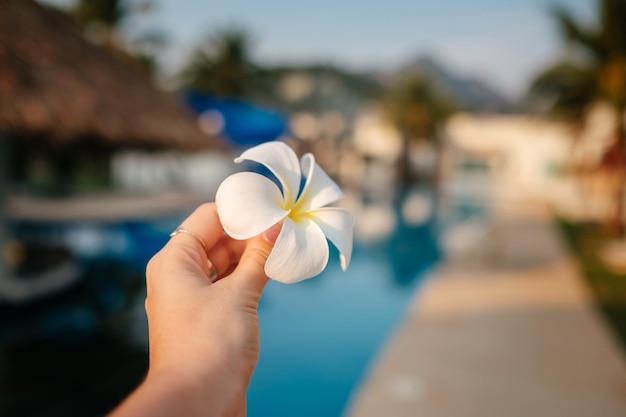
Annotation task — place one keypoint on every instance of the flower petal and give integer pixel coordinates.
(248, 204)
(282, 161)
(319, 189)
(337, 224)
(300, 252)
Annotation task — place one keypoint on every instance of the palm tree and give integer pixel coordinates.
(102, 19)
(222, 66)
(565, 90)
(417, 110)
(594, 70)
(107, 12)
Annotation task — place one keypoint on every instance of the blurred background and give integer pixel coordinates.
(118, 117)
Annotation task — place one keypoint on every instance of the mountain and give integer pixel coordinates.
(469, 93)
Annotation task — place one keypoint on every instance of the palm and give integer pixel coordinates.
(417, 110)
(223, 66)
(594, 71)
(596, 67)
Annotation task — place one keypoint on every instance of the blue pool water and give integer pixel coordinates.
(318, 337)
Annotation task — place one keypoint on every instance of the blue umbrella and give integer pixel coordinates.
(242, 124)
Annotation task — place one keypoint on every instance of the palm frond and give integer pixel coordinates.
(590, 39)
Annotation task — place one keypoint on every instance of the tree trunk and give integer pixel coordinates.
(404, 168)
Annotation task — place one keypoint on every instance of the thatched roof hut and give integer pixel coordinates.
(56, 85)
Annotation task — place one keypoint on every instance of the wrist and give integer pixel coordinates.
(198, 394)
(176, 392)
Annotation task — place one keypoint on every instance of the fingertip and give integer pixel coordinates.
(251, 268)
(271, 234)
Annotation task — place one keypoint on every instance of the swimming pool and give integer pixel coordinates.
(318, 337)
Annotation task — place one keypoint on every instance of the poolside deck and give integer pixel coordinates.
(506, 328)
(102, 208)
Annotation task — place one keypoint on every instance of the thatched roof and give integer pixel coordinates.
(56, 84)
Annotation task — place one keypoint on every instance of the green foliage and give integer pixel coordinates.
(575, 34)
(596, 65)
(567, 88)
(416, 108)
(102, 19)
(222, 66)
(418, 111)
(107, 12)
(608, 288)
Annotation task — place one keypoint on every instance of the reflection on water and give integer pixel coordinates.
(80, 350)
(66, 354)
(48, 379)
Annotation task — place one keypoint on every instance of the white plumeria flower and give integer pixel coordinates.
(249, 203)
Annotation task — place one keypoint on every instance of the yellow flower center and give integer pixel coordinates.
(297, 212)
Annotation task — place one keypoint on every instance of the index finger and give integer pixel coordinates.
(205, 224)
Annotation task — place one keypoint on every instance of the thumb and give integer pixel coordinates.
(251, 268)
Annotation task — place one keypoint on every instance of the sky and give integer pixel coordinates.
(503, 42)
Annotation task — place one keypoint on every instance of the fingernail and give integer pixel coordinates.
(271, 234)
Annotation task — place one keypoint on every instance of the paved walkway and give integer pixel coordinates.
(503, 329)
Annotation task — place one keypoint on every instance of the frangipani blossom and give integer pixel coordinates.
(249, 203)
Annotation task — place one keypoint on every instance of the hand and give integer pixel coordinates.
(204, 337)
